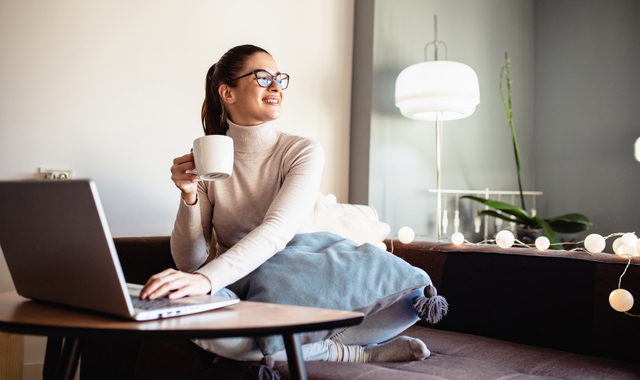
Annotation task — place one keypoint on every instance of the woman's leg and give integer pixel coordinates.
(247, 349)
(383, 325)
(362, 343)
(355, 344)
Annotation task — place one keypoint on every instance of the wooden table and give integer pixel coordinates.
(66, 327)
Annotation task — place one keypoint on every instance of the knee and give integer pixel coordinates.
(240, 348)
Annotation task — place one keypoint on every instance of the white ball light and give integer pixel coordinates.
(505, 239)
(406, 235)
(543, 243)
(616, 244)
(594, 243)
(457, 238)
(625, 250)
(638, 248)
(629, 238)
(381, 245)
(621, 300)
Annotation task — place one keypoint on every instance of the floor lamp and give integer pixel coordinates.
(437, 91)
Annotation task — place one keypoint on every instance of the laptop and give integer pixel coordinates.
(58, 247)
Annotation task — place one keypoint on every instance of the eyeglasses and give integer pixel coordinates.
(265, 79)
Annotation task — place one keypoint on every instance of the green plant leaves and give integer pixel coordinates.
(521, 215)
(567, 223)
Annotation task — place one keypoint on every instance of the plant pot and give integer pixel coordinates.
(528, 235)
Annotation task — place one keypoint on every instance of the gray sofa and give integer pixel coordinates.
(514, 313)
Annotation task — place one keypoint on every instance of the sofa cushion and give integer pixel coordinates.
(359, 223)
(458, 356)
(454, 356)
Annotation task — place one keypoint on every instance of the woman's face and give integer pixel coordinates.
(249, 104)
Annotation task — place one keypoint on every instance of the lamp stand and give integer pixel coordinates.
(438, 175)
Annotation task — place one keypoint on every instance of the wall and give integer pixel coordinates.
(574, 68)
(586, 101)
(397, 170)
(113, 90)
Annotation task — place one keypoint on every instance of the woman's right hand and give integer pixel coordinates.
(183, 175)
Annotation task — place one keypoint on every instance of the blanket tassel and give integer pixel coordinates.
(264, 371)
(432, 307)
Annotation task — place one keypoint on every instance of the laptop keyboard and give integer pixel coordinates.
(157, 303)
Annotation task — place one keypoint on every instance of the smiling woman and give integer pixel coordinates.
(236, 235)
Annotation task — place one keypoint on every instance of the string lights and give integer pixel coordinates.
(626, 245)
(406, 235)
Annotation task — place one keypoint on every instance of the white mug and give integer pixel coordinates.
(213, 155)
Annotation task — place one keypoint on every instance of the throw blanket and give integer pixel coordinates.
(324, 270)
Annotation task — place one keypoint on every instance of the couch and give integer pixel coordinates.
(514, 313)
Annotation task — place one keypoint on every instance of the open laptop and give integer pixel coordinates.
(58, 247)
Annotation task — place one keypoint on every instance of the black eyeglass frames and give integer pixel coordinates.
(265, 78)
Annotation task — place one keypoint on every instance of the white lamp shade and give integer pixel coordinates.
(445, 89)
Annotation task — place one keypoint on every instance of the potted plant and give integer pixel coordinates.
(567, 223)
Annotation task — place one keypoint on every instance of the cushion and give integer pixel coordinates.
(325, 270)
(359, 223)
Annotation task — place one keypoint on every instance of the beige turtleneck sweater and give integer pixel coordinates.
(252, 215)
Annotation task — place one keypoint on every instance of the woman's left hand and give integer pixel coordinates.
(177, 284)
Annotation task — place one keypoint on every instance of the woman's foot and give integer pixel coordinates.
(402, 348)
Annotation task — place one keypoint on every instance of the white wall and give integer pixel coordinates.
(113, 90)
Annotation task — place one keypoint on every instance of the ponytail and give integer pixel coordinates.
(214, 115)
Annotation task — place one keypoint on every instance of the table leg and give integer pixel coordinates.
(61, 358)
(52, 357)
(297, 370)
(68, 364)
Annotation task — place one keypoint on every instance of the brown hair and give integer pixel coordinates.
(214, 115)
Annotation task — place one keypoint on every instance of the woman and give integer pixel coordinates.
(226, 229)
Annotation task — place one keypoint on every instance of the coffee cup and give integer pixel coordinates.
(213, 156)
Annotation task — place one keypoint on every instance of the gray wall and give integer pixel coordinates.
(477, 151)
(587, 99)
(574, 99)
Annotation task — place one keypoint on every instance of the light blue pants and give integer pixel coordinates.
(375, 328)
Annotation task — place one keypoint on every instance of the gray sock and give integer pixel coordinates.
(402, 348)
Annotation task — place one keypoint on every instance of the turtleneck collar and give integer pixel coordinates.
(259, 138)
